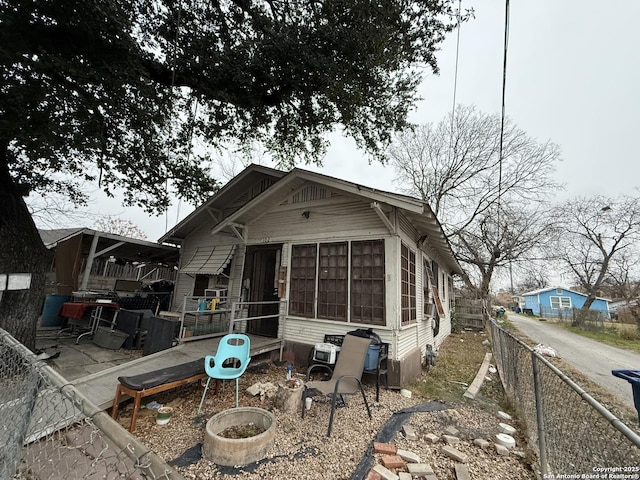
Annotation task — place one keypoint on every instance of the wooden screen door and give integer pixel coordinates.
(261, 266)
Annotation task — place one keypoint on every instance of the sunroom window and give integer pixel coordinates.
(408, 284)
(332, 273)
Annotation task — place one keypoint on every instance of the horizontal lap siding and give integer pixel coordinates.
(341, 221)
(313, 331)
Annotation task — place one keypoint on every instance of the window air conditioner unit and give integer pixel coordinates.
(428, 309)
(215, 293)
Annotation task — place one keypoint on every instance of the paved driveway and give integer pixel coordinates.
(592, 358)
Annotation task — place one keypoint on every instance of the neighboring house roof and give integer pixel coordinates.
(548, 289)
(50, 238)
(623, 303)
(110, 244)
(417, 211)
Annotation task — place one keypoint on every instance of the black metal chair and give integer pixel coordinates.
(346, 376)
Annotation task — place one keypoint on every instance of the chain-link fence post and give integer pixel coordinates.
(48, 426)
(537, 387)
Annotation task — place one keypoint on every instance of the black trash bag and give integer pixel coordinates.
(367, 333)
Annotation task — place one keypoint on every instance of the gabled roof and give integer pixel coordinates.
(417, 211)
(215, 206)
(548, 289)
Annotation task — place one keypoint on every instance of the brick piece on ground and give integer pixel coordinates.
(392, 461)
(420, 469)
(501, 449)
(409, 432)
(385, 473)
(482, 443)
(373, 475)
(450, 439)
(457, 455)
(404, 476)
(432, 438)
(384, 448)
(408, 456)
(451, 430)
(462, 471)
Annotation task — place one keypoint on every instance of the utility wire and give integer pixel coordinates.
(173, 83)
(455, 75)
(504, 89)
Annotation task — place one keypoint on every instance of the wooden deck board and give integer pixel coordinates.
(100, 387)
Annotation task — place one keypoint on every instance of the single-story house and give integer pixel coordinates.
(558, 301)
(331, 256)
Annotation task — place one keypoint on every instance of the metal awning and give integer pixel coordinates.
(209, 260)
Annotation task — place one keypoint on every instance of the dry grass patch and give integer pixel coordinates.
(458, 362)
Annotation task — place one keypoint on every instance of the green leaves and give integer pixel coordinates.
(137, 92)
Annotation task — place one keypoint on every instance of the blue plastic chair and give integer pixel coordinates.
(229, 362)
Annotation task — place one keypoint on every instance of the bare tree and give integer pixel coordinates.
(623, 280)
(533, 276)
(120, 226)
(504, 236)
(596, 232)
(56, 211)
(229, 161)
(456, 167)
(489, 205)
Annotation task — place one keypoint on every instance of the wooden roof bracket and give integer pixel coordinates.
(390, 226)
(239, 231)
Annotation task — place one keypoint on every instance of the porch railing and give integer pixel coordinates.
(198, 321)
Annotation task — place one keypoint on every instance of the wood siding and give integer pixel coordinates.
(337, 220)
(317, 216)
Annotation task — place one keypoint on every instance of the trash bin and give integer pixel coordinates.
(371, 361)
(633, 377)
(52, 304)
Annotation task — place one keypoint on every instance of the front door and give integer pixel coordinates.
(261, 267)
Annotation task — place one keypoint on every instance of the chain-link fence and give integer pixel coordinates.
(49, 430)
(592, 320)
(570, 431)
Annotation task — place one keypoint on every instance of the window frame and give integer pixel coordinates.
(560, 301)
(408, 286)
(334, 305)
(298, 295)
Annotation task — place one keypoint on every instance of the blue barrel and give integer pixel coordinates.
(52, 304)
(371, 361)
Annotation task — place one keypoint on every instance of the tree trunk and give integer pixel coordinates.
(588, 302)
(22, 252)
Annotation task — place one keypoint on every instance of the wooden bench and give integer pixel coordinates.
(145, 384)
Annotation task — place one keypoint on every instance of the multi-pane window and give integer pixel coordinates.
(408, 284)
(333, 276)
(367, 282)
(337, 274)
(303, 280)
(560, 302)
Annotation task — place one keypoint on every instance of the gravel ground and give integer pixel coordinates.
(302, 450)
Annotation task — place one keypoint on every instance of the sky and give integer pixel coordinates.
(573, 77)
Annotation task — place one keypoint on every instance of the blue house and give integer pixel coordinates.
(559, 302)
